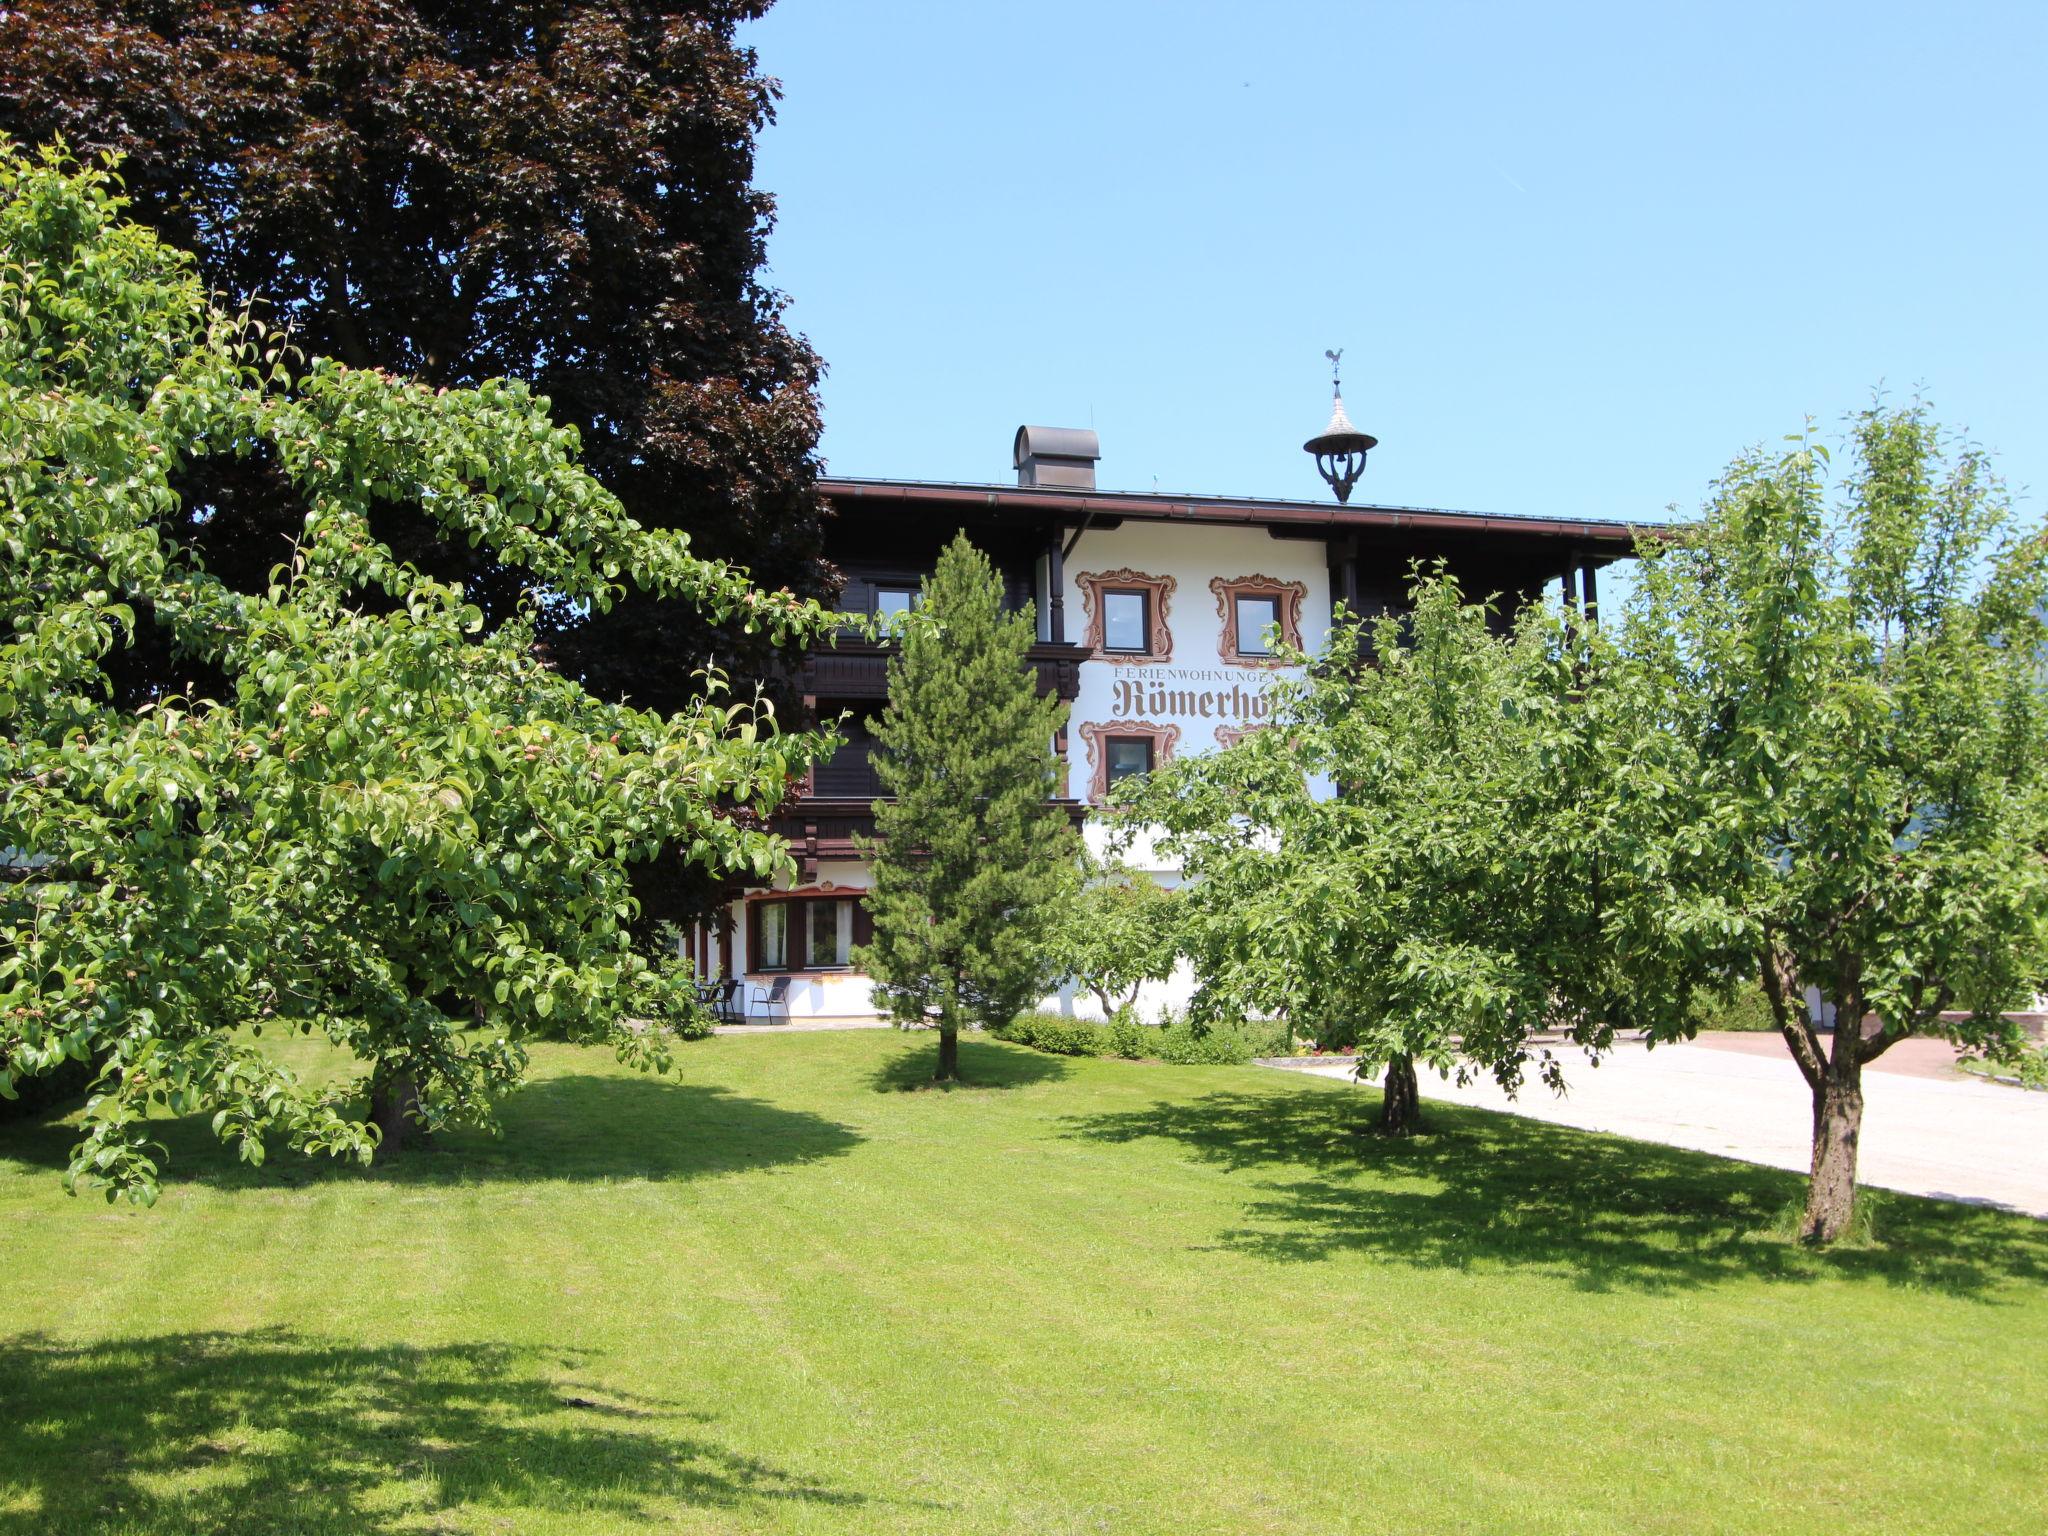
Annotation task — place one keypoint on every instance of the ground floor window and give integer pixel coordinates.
(772, 930)
(831, 933)
(807, 933)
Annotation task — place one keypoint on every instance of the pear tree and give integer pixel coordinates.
(362, 816)
(1828, 762)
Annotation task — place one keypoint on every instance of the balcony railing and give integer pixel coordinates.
(859, 669)
(825, 829)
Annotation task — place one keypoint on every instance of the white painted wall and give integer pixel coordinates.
(1198, 674)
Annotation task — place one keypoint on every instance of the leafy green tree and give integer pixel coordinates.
(559, 194)
(1116, 934)
(1830, 762)
(1440, 900)
(972, 860)
(370, 818)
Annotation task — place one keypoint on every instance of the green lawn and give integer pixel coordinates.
(781, 1294)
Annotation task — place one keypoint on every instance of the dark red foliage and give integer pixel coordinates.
(554, 192)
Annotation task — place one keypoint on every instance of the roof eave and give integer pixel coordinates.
(1231, 510)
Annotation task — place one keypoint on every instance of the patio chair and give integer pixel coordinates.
(773, 999)
(729, 1006)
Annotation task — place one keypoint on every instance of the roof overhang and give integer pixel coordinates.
(1600, 539)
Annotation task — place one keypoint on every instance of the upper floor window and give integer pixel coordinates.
(1127, 614)
(1252, 608)
(1255, 617)
(893, 600)
(1126, 623)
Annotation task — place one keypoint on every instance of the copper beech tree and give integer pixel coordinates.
(369, 816)
(558, 194)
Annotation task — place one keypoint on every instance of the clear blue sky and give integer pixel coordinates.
(1577, 256)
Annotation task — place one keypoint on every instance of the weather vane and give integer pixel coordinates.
(1336, 358)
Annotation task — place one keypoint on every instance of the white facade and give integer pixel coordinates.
(1194, 689)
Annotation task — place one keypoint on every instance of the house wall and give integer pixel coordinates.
(1194, 692)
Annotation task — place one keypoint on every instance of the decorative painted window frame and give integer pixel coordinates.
(1162, 737)
(1159, 593)
(1290, 596)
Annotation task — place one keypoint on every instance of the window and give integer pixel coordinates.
(831, 933)
(891, 601)
(1256, 615)
(1124, 749)
(1125, 623)
(1250, 607)
(1127, 757)
(806, 933)
(774, 933)
(1127, 615)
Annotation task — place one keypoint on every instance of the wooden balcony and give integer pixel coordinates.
(825, 829)
(858, 669)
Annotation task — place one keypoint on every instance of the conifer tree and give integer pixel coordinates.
(972, 860)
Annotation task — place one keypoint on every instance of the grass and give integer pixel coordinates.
(780, 1294)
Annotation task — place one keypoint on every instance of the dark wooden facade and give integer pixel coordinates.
(886, 537)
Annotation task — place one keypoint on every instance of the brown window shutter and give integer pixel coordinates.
(753, 936)
(863, 925)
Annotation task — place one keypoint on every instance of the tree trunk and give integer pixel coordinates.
(949, 1054)
(1401, 1102)
(394, 1105)
(1837, 1121)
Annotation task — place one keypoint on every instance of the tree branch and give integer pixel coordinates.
(1801, 1038)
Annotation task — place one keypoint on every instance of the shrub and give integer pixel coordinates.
(1742, 1006)
(1125, 1036)
(1183, 1044)
(1054, 1035)
(1332, 1036)
(1188, 1044)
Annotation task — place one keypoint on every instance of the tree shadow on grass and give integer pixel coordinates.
(272, 1431)
(984, 1064)
(597, 1127)
(1491, 1189)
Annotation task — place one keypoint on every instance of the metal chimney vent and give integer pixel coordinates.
(1057, 456)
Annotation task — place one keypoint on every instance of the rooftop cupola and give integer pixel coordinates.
(1340, 448)
(1057, 456)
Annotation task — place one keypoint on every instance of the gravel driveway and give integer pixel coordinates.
(1923, 1133)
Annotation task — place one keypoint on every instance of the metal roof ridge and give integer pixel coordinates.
(989, 491)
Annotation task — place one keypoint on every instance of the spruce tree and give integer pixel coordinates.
(972, 859)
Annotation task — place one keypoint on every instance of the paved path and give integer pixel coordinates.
(1925, 1134)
